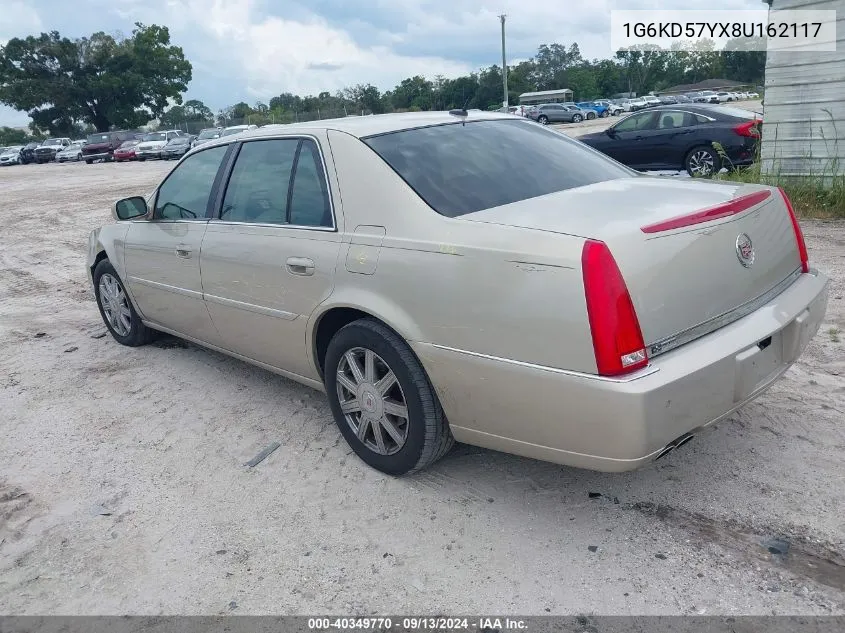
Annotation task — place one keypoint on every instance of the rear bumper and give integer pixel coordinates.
(620, 424)
(150, 153)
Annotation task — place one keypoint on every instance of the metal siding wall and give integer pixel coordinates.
(804, 111)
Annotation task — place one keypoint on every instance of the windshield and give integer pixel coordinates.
(129, 143)
(206, 134)
(155, 136)
(179, 140)
(10, 150)
(98, 138)
(232, 131)
(459, 169)
(53, 141)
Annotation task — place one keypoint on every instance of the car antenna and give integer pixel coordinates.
(462, 111)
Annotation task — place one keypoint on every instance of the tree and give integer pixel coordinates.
(101, 80)
(192, 111)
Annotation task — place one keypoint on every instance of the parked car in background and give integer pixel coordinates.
(71, 152)
(28, 153)
(599, 108)
(707, 96)
(668, 99)
(152, 143)
(208, 134)
(682, 99)
(637, 103)
(612, 106)
(126, 151)
(651, 101)
(556, 113)
(753, 95)
(236, 129)
(725, 97)
(652, 320)
(47, 150)
(177, 147)
(674, 137)
(11, 155)
(588, 113)
(101, 146)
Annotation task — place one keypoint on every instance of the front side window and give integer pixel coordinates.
(185, 193)
(462, 168)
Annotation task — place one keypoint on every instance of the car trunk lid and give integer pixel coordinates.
(695, 255)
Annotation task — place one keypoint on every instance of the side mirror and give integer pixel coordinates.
(129, 208)
(610, 132)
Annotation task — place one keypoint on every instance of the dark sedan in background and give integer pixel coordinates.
(177, 147)
(682, 137)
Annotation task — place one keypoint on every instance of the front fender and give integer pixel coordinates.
(109, 239)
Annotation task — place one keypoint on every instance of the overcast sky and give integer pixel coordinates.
(252, 50)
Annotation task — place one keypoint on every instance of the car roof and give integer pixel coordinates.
(363, 126)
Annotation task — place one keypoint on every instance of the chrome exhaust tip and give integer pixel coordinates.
(676, 443)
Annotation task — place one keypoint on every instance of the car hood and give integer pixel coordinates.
(151, 145)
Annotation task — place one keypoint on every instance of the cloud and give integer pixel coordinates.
(18, 19)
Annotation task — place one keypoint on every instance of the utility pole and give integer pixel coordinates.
(504, 64)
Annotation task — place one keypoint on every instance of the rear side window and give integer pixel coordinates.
(458, 169)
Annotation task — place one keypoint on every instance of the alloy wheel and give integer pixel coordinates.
(372, 401)
(701, 163)
(114, 304)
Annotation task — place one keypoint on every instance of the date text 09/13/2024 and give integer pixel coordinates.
(417, 623)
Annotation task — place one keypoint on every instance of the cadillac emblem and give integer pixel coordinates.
(744, 250)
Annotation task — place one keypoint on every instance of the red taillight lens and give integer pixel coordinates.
(617, 338)
(748, 129)
(799, 235)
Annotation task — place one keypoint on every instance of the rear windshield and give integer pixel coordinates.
(459, 169)
(98, 138)
(209, 134)
(156, 136)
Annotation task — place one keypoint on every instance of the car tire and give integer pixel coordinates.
(543, 120)
(576, 118)
(142, 159)
(605, 114)
(702, 162)
(88, 162)
(591, 116)
(402, 448)
(111, 296)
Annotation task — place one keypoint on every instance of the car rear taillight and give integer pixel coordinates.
(748, 129)
(799, 235)
(617, 338)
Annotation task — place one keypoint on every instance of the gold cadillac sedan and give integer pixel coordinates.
(468, 276)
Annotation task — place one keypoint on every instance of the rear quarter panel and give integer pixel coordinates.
(490, 289)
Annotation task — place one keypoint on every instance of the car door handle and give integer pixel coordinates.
(300, 266)
(183, 252)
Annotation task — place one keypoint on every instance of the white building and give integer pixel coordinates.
(804, 103)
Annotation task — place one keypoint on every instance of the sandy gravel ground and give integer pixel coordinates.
(123, 487)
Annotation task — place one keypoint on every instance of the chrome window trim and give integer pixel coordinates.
(266, 225)
(645, 371)
(668, 343)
